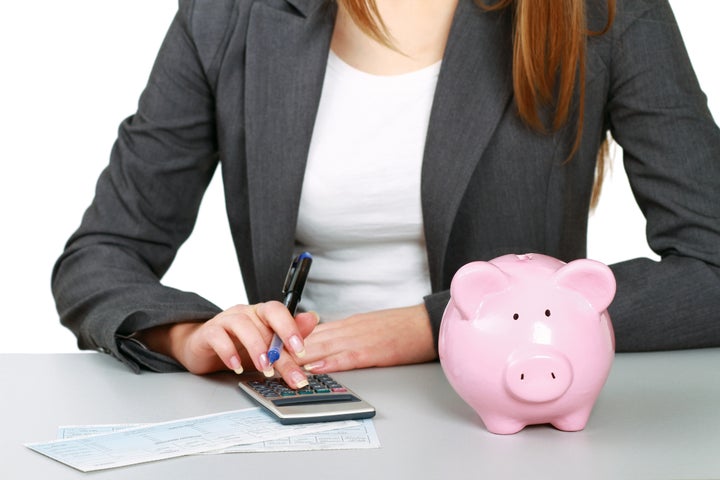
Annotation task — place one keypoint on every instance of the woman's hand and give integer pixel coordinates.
(237, 338)
(377, 339)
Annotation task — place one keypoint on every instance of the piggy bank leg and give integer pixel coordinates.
(502, 425)
(574, 421)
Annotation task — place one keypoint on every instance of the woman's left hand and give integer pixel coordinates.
(382, 338)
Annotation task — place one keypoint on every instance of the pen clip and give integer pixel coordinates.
(297, 274)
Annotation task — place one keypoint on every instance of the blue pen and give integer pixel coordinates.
(292, 291)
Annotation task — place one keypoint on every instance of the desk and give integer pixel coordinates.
(657, 417)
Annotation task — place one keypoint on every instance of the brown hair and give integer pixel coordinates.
(549, 44)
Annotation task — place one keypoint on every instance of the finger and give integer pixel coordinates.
(337, 362)
(331, 353)
(249, 331)
(278, 318)
(306, 322)
(290, 371)
(217, 338)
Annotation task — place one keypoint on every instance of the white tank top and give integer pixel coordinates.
(360, 214)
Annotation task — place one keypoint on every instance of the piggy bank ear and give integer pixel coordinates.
(472, 283)
(593, 280)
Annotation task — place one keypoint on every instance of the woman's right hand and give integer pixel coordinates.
(238, 339)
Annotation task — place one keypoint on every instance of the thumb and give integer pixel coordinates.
(306, 322)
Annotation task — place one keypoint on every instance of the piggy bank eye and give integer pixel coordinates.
(516, 316)
(547, 313)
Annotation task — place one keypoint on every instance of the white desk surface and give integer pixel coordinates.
(658, 417)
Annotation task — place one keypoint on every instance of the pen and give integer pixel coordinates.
(292, 291)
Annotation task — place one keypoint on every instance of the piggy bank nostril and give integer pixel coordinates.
(552, 374)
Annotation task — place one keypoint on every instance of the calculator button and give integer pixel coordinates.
(320, 385)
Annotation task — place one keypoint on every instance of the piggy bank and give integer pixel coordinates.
(526, 339)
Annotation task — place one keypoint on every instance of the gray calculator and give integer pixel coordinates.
(323, 400)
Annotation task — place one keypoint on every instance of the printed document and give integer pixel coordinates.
(354, 435)
(157, 441)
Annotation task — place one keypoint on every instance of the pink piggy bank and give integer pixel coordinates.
(526, 339)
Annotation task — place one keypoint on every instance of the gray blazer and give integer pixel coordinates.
(237, 84)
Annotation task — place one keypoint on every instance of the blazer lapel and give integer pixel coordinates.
(473, 91)
(286, 59)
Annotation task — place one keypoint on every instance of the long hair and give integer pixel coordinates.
(549, 54)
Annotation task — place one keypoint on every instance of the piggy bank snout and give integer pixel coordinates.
(539, 378)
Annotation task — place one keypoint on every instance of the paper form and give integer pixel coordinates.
(173, 439)
(76, 431)
(357, 434)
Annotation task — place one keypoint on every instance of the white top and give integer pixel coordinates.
(360, 214)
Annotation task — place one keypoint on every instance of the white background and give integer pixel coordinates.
(72, 70)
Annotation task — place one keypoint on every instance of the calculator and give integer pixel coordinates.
(322, 400)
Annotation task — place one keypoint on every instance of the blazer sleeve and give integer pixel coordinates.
(657, 112)
(106, 283)
(659, 116)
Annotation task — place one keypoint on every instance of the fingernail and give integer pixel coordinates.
(312, 366)
(235, 364)
(299, 379)
(297, 345)
(317, 316)
(265, 366)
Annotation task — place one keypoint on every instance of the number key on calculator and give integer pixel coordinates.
(322, 400)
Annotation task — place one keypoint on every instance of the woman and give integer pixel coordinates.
(395, 140)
